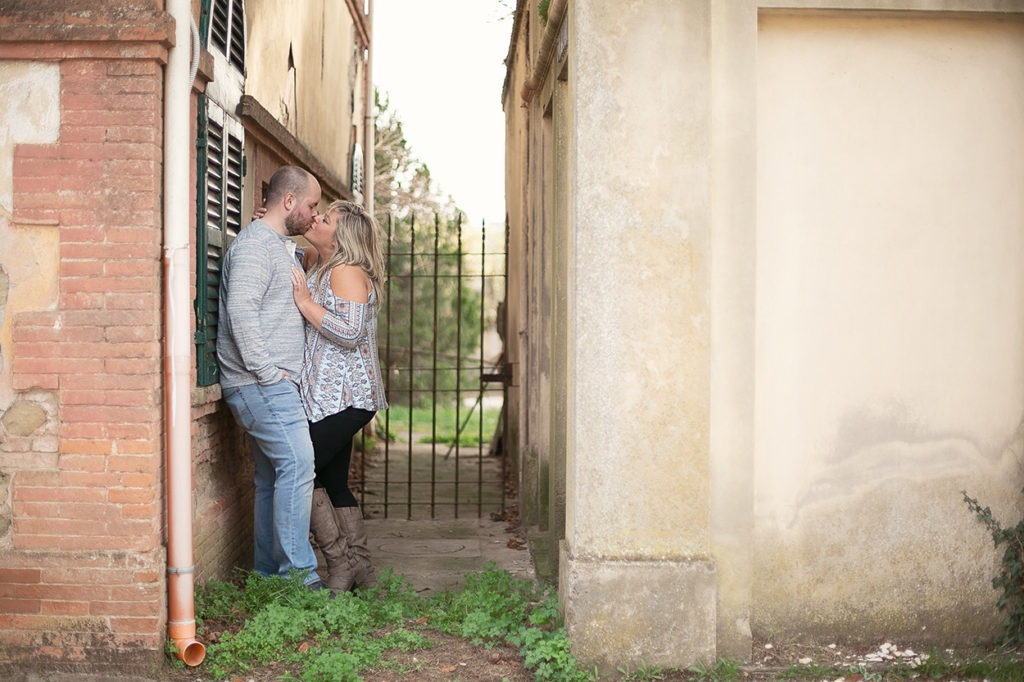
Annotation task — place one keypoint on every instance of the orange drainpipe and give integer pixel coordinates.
(181, 622)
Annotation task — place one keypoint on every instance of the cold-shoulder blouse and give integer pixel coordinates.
(341, 366)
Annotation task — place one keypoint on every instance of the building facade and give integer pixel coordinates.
(90, 376)
(767, 297)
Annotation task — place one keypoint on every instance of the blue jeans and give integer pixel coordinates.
(283, 459)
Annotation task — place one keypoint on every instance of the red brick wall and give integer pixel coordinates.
(82, 573)
(222, 494)
(82, 497)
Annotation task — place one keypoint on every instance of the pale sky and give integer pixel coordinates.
(441, 65)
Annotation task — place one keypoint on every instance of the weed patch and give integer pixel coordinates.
(277, 620)
(1011, 575)
(495, 627)
(723, 670)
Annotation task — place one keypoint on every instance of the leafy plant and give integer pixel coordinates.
(332, 666)
(172, 656)
(218, 600)
(278, 619)
(642, 674)
(1011, 575)
(938, 665)
(546, 653)
(493, 606)
(723, 670)
(1000, 670)
(865, 674)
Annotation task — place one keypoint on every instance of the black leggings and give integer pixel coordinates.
(332, 452)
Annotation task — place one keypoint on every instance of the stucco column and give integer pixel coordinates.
(636, 576)
(734, 236)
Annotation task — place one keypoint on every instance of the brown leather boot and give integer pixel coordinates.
(332, 543)
(350, 521)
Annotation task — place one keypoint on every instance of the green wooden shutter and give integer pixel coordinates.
(220, 169)
(219, 218)
(227, 30)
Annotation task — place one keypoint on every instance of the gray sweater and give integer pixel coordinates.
(260, 330)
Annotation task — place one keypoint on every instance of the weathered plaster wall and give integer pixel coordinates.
(29, 108)
(637, 491)
(890, 318)
(516, 192)
(733, 231)
(561, 256)
(326, 100)
(792, 287)
(528, 395)
(539, 346)
(640, 366)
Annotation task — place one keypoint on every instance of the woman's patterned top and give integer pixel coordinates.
(341, 368)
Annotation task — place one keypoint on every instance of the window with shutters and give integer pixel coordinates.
(227, 31)
(221, 165)
(220, 170)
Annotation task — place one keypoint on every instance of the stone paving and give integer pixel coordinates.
(435, 555)
(423, 481)
(425, 541)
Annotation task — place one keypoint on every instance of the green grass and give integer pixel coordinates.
(273, 620)
(276, 620)
(422, 424)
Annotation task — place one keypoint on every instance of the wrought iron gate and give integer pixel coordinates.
(438, 451)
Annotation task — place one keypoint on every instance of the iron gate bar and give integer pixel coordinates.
(433, 382)
(480, 432)
(505, 370)
(408, 361)
(387, 387)
(458, 350)
(412, 357)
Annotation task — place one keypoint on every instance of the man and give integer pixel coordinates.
(259, 349)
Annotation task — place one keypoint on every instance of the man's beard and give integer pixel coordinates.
(294, 226)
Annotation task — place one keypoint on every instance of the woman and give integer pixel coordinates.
(340, 383)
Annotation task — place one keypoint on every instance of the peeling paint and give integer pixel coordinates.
(29, 256)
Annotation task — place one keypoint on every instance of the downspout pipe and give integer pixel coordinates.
(364, 26)
(181, 621)
(556, 10)
(369, 119)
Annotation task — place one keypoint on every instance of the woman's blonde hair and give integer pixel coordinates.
(357, 241)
